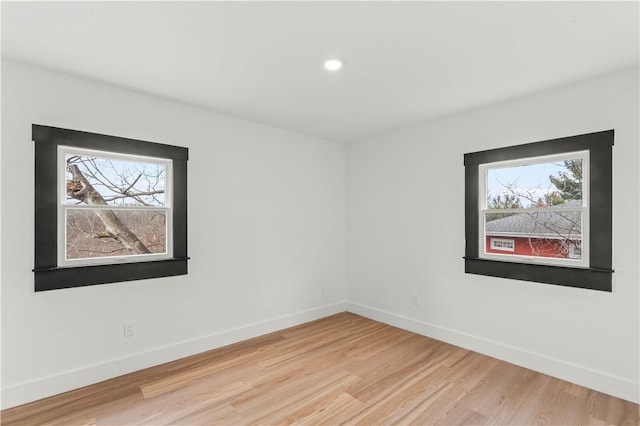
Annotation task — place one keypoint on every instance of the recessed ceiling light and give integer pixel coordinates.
(333, 64)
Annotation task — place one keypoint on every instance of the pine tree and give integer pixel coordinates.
(569, 183)
(510, 201)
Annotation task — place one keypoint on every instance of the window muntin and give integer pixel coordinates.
(542, 203)
(137, 191)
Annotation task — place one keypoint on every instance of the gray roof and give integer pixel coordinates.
(540, 223)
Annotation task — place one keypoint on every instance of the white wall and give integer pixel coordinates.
(266, 233)
(406, 237)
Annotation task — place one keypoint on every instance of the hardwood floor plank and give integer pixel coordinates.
(395, 397)
(273, 408)
(388, 373)
(335, 411)
(470, 369)
(613, 410)
(517, 408)
(463, 416)
(181, 378)
(218, 414)
(310, 402)
(195, 404)
(374, 341)
(222, 354)
(74, 420)
(491, 391)
(574, 410)
(168, 408)
(430, 406)
(343, 369)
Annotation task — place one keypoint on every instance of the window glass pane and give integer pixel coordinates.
(548, 234)
(95, 233)
(535, 185)
(98, 180)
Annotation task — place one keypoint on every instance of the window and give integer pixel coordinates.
(542, 211)
(541, 203)
(113, 207)
(108, 209)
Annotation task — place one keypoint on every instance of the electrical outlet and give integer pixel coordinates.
(321, 291)
(129, 329)
(414, 300)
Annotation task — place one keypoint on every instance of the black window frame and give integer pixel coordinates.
(48, 275)
(598, 276)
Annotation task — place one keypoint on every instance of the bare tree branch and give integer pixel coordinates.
(80, 189)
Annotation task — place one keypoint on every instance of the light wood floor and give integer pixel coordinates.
(343, 369)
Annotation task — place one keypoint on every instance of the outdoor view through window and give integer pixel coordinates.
(113, 206)
(535, 209)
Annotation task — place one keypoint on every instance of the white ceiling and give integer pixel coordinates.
(404, 61)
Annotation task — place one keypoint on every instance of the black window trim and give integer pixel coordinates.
(48, 275)
(598, 276)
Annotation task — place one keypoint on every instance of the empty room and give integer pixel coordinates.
(320, 213)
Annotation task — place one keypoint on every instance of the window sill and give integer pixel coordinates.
(52, 278)
(589, 278)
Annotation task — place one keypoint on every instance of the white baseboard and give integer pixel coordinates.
(597, 380)
(24, 392)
